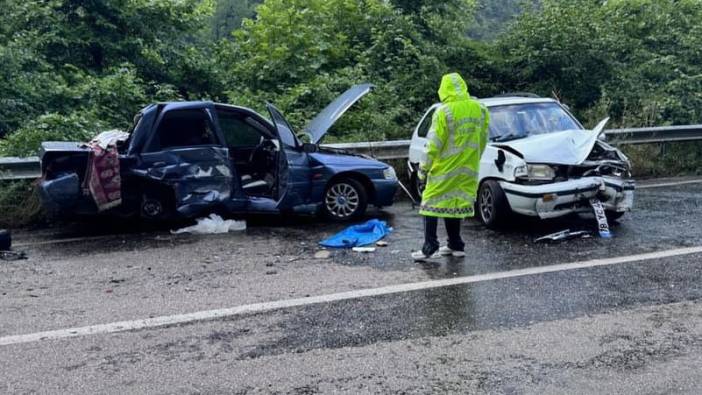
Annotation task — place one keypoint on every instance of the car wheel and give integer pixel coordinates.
(344, 200)
(155, 207)
(614, 215)
(492, 207)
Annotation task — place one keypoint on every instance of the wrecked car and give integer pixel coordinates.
(182, 159)
(540, 162)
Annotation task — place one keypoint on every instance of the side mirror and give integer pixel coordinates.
(309, 148)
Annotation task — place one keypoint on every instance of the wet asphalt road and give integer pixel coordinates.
(634, 327)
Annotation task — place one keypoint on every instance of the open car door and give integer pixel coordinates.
(294, 183)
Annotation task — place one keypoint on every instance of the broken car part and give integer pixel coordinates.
(12, 255)
(563, 235)
(5, 240)
(601, 216)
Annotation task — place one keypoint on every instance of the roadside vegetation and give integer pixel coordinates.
(69, 69)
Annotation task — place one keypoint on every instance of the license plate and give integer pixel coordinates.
(602, 224)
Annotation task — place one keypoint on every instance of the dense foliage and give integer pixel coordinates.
(69, 68)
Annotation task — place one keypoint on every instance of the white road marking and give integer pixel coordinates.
(669, 184)
(209, 315)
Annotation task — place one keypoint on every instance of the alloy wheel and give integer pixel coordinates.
(342, 200)
(487, 206)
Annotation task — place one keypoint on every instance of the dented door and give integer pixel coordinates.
(186, 163)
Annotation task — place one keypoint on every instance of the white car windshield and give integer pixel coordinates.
(517, 121)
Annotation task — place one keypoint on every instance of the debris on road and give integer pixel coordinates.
(12, 255)
(5, 240)
(364, 250)
(5, 248)
(324, 254)
(359, 235)
(382, 243)
(563, 235)
(601, 216)
(214, 224)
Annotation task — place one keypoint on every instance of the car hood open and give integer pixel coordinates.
(321, 124)
(568, 147)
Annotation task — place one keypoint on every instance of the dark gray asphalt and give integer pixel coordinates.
(628, 328)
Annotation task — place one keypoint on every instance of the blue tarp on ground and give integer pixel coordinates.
(358, 235)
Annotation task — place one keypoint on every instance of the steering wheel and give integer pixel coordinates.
(264, 153)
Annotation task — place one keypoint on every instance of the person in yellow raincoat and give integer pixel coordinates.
(456, 140)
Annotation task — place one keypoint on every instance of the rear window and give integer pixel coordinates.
(184, 128)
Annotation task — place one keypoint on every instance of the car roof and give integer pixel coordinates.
(506, 101)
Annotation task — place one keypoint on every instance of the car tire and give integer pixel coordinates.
(492, 207)
(614, 215)
(155, 207)
(344, 200)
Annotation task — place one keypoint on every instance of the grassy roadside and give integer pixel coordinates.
(20, 205)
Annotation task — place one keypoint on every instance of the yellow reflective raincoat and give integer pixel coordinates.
(457, 138)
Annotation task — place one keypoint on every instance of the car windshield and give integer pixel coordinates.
(517, 121)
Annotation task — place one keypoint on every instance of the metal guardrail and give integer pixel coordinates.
(383, 150)
(29, 168)
(19, 168)
(663, 134)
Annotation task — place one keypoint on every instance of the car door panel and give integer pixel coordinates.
(200, 176)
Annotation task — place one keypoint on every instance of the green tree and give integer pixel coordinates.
(301, 54)
(96, 62)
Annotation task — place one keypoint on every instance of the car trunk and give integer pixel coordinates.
(63, 157)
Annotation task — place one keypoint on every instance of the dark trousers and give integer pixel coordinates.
(431, 239)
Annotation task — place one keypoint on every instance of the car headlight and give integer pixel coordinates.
(390, 174)
(541, 172)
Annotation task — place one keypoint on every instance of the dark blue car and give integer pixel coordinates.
(183, 159)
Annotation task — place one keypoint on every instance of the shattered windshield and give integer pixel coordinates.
(522, 120)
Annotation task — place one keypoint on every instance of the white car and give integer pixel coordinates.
(540, 162)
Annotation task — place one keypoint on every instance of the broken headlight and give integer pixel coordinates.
(540, 172)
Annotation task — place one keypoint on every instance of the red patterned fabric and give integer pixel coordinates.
(103, 179)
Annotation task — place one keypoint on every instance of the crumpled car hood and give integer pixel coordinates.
(569, 147)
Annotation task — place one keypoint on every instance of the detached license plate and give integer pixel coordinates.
(602, 224)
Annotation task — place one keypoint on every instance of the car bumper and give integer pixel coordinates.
(385, 191)
(563, 198)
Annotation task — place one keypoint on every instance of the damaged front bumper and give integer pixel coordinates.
(572, 196)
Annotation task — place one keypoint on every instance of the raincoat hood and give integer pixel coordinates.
(453, 88)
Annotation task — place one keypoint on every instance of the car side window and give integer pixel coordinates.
(238, 132)
(426, 123)
(183, 128)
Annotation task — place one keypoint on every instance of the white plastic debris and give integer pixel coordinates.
(214, 224)
(323, 254)
(364, 250)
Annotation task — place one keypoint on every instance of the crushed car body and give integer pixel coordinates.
(183, 159)
(540, 162)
